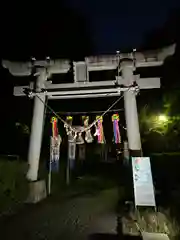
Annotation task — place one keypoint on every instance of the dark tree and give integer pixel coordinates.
(162, 37)
(166, 35)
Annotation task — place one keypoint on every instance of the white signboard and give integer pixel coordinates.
(143, 184)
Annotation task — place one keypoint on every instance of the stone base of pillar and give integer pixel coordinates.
(37, 191)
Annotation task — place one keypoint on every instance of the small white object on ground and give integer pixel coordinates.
(154, 236)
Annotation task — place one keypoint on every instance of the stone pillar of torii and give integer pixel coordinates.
(82, 88)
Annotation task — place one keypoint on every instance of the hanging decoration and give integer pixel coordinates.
(79, 138)
(82, 152)
(55, 142)
(115, 120)
(88, 135)
(97, 133)
(54, 127)
(55, 146)
(71, 143)
(72, 151)
(68, 127)
(71, 154)
(99, 129)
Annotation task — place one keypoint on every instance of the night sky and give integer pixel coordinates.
(123, 24)
(76, 28)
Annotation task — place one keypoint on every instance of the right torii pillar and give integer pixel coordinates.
(131, 113)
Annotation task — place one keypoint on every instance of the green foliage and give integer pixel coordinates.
(167, 132)
(13, 186)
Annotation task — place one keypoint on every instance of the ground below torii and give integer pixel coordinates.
(76, 218)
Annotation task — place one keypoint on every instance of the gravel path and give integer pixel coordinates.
(76, 218)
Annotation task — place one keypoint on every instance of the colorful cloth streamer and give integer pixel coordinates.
(55, 153)
(115, 120)
(54, 127)
(99, 130)
(55, 143)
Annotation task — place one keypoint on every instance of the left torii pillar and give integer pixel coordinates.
(37, 189)
(36, 127)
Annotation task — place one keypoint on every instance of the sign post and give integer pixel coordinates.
(143, 183)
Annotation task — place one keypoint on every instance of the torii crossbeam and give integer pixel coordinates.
(82, 88)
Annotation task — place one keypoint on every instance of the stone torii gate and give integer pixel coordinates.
(83, 88)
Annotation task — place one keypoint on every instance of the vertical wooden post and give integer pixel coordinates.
(36, 129)
(131, 114)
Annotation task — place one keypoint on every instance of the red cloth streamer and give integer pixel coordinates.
(54, 127)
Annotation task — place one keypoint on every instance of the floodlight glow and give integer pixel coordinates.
(163, 118)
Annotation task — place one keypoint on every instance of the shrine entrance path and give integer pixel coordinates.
(75, 218)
